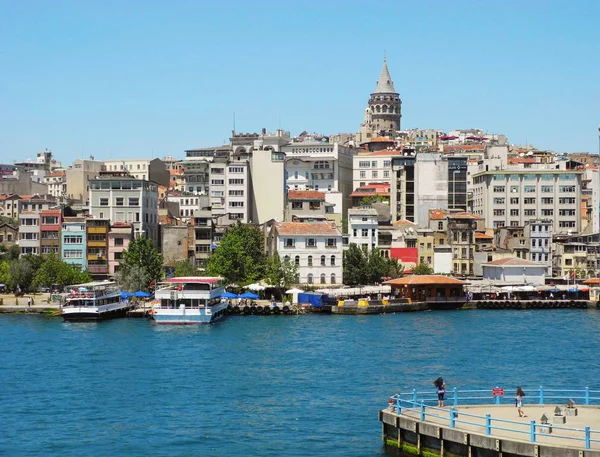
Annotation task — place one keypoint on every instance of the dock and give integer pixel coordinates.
(567, 426)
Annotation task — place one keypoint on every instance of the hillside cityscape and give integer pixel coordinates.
(450, 202)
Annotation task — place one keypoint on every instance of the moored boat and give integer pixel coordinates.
(189, 300)
(94, 301)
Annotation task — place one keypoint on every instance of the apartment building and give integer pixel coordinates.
(372, 167)
(153, 170)
(229, 190)
(118, 197)
(363, 228)
(324, 167)
(461, 237)
(29, 210)
(9, 206)
(316, 248)
(78, 175)
(97, 247)
(203, 228)
(9, 235)
(515, 197)
(74, 242)
(50, 228)
(57, 183)
(119, 236)
(305, 204)
(539, 234)
(426, 181)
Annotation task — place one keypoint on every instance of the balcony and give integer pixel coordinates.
(97, 269)
(96, 244)
(95, 257)
(99, 230)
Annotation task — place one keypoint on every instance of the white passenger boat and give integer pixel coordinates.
(94, 301)
(189, 300)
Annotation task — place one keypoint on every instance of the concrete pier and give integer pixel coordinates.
(439, 435)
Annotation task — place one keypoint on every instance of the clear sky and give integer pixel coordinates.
(151, 78)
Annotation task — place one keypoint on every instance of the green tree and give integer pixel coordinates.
(422, 269)
(141, 265)
(21, 274)
(354, 265)
(186, 268)
(280, 274)
(54, 271)
(240, 257)
(368, 267)
(134, 278)
(5, 272)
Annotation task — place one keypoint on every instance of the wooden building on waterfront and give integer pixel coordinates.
(429, 289)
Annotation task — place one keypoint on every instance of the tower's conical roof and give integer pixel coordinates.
(384, 83)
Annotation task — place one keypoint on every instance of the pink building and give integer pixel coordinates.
(119, 236)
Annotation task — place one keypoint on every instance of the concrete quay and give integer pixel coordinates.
(468, 434)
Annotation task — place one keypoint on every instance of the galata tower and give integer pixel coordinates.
(382, 116)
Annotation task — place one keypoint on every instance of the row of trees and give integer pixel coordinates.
(368, 267)
(31, 273)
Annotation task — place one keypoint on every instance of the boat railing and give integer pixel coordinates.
(424, 405)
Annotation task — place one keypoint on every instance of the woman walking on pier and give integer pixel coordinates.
(519, 401)
(441, 390)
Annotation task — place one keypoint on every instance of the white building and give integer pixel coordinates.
(539, 233)
(322, 166)
(363, 228)
(515, 271)
(372, 167)
(126, 199)
(153, 170)
(315, 247)
(516, 197)
(57, 183)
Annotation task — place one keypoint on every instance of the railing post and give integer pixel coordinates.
(541, 395)
(587, 396)
(532, 431)
(497, 397)
(452, 417)
(455, 397)
(414, 398)
(587, 436)
(422, 411)
(488, 424)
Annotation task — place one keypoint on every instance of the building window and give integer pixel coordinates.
(118, 241)
(297, 260)
(363, 164)
(365, 232)
(289, 242)
(119, 201)
(363, 174)
(440, 226)
(374, 174)
(296, 205)
(310, 261)
(104, 202)
(236, 181)
(286, 259)
(331, 242)
(322, 260)
(311, 243)
(333, 278)
(333, 261)
(322, 278)
(310, 278)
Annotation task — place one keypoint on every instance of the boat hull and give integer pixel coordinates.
(187, 316)
(93, 314)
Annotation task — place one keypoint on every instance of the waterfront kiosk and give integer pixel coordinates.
(429, 289)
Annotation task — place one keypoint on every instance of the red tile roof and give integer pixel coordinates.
(305, 195)
(383, 152)
(515, 160)
(423, 280)
(307, 228)
(437, 214)
(483, 236)
(463, 215)
(514, 262)
(56, 174)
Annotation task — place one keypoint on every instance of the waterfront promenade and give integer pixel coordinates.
(494, 426)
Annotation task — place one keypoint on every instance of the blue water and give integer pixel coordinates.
(264, 386)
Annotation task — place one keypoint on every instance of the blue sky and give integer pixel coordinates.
(152, 78)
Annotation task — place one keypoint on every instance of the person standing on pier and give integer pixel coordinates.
(519, 401)
(441, 391)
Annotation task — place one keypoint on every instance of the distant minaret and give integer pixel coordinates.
(382, 117)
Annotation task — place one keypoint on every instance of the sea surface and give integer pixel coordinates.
(308, 385)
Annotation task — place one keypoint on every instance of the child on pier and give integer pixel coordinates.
(441, 390)
(519, 401)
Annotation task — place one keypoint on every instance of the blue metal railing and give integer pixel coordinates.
(416, 401)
